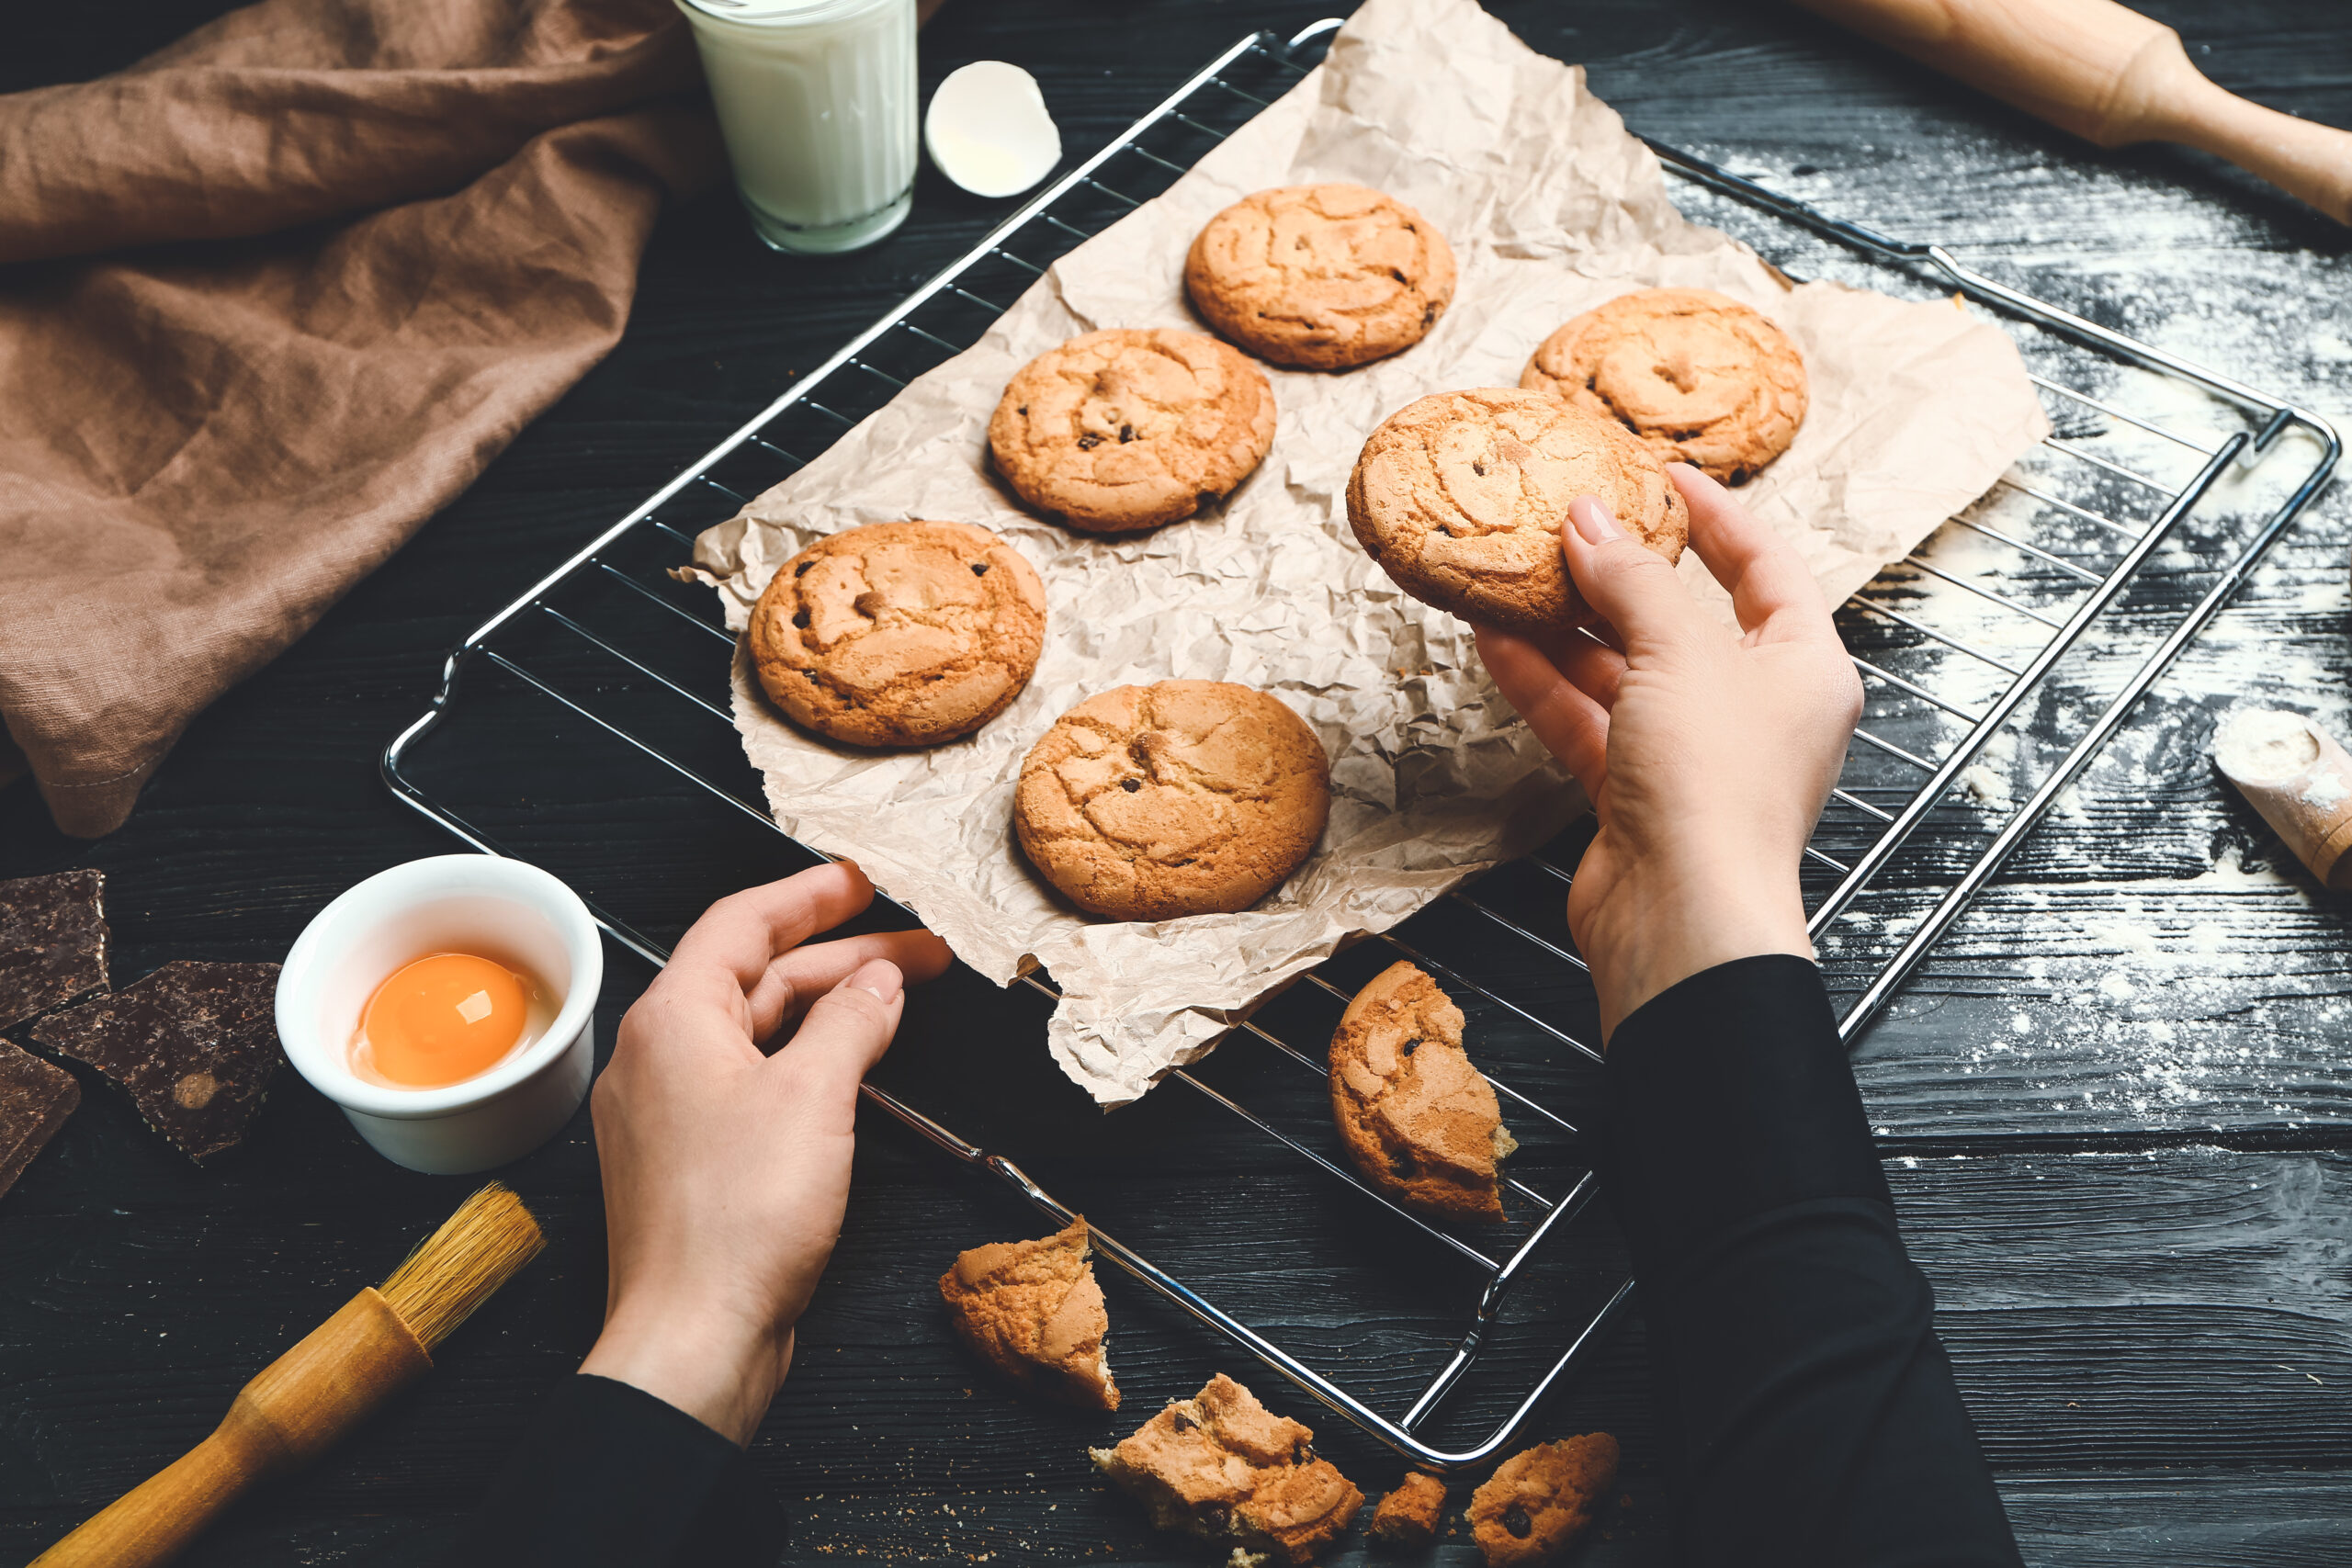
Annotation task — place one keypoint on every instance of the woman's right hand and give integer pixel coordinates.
(1708, 755)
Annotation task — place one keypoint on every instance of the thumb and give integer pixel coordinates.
(846, 1031)
(1627, 583)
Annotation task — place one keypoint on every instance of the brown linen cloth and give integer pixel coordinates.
(425, 218)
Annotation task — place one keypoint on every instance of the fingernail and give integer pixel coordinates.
(878, 978)
(1593, 524)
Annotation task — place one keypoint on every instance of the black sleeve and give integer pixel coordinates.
(1807, 1409)
(608, 1476)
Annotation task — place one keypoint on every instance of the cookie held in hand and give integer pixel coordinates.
(1460, 497)
(1537, 1503)
(1417, 1118)
(1183, 797)
(1223, 1467)
(1032, 1310)
(900, 634)
(1701, 378)
(1320, 277)
(1127, 429)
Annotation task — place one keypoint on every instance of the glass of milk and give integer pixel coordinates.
(817, 101)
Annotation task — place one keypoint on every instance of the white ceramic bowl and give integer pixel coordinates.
(470, 903)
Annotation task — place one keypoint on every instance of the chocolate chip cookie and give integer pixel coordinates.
(1460, 497)
(1032, 1310)
(1701, 378)
(1223, 1467)
(1418, 1120)
(1122, 430)
(900, 634)
(1184, 797)
(1320, 277)
(1537, 1503)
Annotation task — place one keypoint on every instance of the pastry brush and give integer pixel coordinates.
(2110, 76)
(380, 1343)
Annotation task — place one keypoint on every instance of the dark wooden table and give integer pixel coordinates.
(2116, 1106)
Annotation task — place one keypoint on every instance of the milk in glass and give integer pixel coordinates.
(817, 101)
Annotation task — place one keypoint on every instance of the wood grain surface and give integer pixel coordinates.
(2115, 1103)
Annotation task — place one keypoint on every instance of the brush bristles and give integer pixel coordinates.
(461, 1265)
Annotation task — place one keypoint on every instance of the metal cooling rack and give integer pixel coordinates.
(596, 644)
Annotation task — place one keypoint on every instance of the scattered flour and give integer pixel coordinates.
(2162, 945)
(1985, 786)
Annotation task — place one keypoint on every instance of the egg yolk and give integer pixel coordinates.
(443, 1019)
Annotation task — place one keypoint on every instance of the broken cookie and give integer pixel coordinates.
(194, 1044)
(1032, 1310)
(1537, 1503)
(1417, 1119)
(52, 942)
(1407, 1518)
(1223, 1467)
(36, 1098)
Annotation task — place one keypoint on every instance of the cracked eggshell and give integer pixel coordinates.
(989, 132)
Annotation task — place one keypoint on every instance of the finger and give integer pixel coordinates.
(846, 1031)
(737, 937)
(1568, 722)
(796, 979)
(1631, 585)
(1591, 666)
(1772, 590)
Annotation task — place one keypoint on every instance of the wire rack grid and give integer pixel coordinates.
(2101, 521)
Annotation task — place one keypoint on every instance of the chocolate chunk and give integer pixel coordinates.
(194, 1044)
(35, 1100)
(52, 942)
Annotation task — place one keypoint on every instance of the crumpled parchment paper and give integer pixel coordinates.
(1551, 208)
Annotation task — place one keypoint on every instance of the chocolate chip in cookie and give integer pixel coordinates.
(900, 634)
(1185, 797)
(1320, 277)
(1701, 378)
(1123, 430)
(1460, 497)
(1416, 1117)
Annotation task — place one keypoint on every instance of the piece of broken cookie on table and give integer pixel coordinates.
(1223, 1467)
(1537, 1503)
(1406, 1519)
(1032, 1310)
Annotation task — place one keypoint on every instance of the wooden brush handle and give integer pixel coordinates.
(2109, 75)
(284, 1419)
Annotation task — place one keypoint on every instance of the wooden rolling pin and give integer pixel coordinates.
(2110, 75)
(2293, 772)
(380, 1343)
